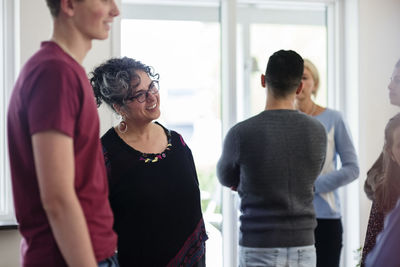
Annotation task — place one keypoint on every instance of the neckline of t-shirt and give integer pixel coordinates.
(130, 148)
(280, 110)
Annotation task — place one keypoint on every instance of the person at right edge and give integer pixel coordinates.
(329, 231)
(381, 187)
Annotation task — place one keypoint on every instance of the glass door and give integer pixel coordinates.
(268, 27)
(182, 43)
(261, 28)
(185, 42)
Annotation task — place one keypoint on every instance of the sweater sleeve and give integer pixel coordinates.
(228, 169)
(349, 170)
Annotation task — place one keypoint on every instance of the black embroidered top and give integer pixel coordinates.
(156, 203)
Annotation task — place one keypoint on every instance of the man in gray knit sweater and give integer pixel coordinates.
(273, 159)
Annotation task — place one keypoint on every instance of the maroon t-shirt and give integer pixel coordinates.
(53, 93)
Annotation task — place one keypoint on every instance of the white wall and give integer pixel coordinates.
(379, 49)
(9, 248)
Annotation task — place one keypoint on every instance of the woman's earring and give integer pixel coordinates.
(122, 126)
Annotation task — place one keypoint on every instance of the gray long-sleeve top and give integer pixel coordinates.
(273, 159)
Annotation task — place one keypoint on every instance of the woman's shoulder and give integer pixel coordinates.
(331, 118)
(108, 137)
(332, 113)
(178, 138)
(110, 133)
(172, 135)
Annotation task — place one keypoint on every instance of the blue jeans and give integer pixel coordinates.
(277, 257)
(110, 262)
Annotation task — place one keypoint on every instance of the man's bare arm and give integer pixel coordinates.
(55, 169)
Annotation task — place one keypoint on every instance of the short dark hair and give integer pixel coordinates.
(54, 6)
(112, 80)
(284, 71)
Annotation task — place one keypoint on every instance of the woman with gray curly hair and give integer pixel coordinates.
(154, 190)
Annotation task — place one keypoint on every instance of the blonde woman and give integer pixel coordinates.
(328, 234)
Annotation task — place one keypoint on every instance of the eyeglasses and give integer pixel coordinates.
(142, 96)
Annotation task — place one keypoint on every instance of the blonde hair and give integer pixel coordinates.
(314, 73)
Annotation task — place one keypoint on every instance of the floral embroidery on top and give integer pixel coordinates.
(151, 158)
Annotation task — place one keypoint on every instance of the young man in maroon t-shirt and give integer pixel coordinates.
(57, 168)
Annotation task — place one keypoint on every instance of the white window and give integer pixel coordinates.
(223, 83)
(181, 40)
(7, 74)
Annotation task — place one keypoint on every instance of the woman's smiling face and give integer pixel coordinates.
(149, 110)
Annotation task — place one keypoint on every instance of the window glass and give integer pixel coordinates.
(6, 79)
(307, 40)
(186, 54)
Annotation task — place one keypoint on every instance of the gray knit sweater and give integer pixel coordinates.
(273, 159)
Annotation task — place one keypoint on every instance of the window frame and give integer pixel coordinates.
(8, 47)
(342, 74)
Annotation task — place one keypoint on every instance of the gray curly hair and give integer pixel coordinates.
(114, 81)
